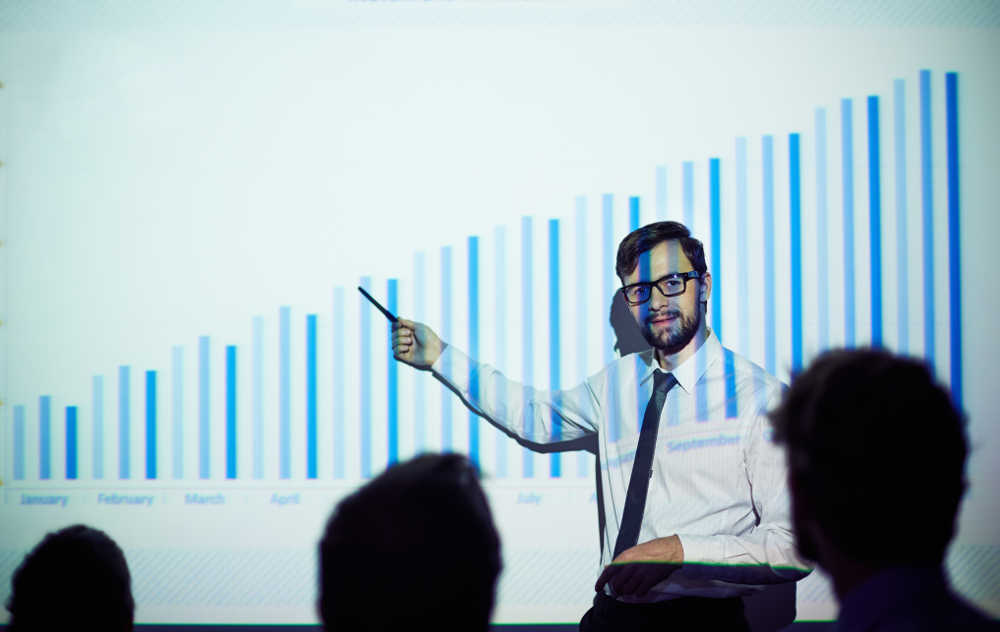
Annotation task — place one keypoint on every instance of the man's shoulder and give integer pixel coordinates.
(750, 375)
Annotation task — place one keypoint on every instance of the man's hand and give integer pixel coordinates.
(415, 344)
(641, 567)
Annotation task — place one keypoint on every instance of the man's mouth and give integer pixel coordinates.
(665, 318)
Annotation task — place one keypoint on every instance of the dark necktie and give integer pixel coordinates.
(638, 483)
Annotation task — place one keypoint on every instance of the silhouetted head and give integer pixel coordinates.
(414, 549)
(74, 579)
(876, 459)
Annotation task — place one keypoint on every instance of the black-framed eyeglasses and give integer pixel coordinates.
(671, 285)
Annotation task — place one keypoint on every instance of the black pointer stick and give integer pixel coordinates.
(387, 313)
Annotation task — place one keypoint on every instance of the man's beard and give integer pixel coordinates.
(674, 339)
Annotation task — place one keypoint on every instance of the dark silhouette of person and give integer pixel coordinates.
(74, 579)
(876, 456)
(414, 549)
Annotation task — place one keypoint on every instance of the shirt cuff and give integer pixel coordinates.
(453, 367)
(701, 549)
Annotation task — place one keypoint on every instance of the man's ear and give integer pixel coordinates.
(705, 287)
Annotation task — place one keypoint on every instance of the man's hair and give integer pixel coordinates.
(876, 456)
(75, 578)
(415, 548)
(642, 239)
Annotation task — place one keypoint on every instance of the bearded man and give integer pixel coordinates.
(693, 503)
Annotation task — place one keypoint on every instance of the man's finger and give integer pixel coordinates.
(605, 576)
(620, 581)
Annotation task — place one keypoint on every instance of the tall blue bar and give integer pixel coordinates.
(822, 254)
(45, 437)
(555, 469)
(71, 443)
(954, 242)
(392, 378)
(339, 383)
(742, 244)
(687, 190)
(124, 422)
(177, 410)
(366, 380)
(230, 411)
(19, 441)
(446, 395)
(715, 212)
(420, 314)
(97, 395)
(795, 229)
(285, 392)
(150, 425)
(875, 218)
(927, 206)
(902, 211)
(257, 394)
(847, 182)
(473, 292)
(608, 271)
(633, 213)
(500, 330)
(661, 192)
(770, 310)
(204, 410)
(311, 443)
(527, 325)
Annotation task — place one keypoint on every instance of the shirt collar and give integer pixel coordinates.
(690, 371)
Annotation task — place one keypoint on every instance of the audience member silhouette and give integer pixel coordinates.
(74, 579)
(414, 549)
(876, 468)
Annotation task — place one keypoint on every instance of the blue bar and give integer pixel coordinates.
(45, 437)
(742, 244)
(770, 351)
(230, 411)
(822, 254)
(875, 218)
(473, 291)
(661, 192)
(527, 325)
(339, 383)
(732, 399)
(847, 174)
(366, 381)
(583, 457)
(902, 238)
(500, 330)
(19, 440)
(311, 446)
(150, 425)
(285, 392)
(715, 212)
(204, 412)
(177, 412)
(420, 314)
(610, 278)
(927, 200)
(257, 395)
(633, 213)
(555, 469)
(446, 396)
(71, 443)
(392, 368)
(954, 251)
(124, 421)
(98, 414)
(795, 228)
(687, 190)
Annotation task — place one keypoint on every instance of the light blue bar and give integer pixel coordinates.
(954, 241)
(742, 245)
(473, 292)
(419, 389)
(687, 190)
(285, 392)
(770, 310)
(392, 377)
(231, 412)
(177, 409)
(902, 230)
(610, 278)
(583, 458)
(527, 325)
(633, 213)
(45, 437)
(71, 443)
(312, 464)
(822, 229)
(875, 218)
(500, 469)
(150, 425)
(366, 380)
(847, 176)
(715, 211)
(204, 411)
(555, 462)
(732, 399)
(661, 192)
(19, 441)
(97, 388)
(124, 421)
(795, 230)
(257, 394)
(339, 383)
(446, 396)
(927, 202)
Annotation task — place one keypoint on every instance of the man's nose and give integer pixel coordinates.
(657, 300)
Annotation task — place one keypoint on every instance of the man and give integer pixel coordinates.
(414, 549)
(876, 468)
(691, 490)
(74, 579)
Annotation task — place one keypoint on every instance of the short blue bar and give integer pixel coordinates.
(661, 192)
(19, 441)
(954, 242)
(875, 218)
(927, 206)
(420, 314)
(177, 410)
(339, 383)
(285, 392)
(580, 308)
(231, 412)
(150, 425)
(446, 302)
(732, 399)
(204, 409)
(770, 310)
(633, 213)
(608, 271)
(311, 409)
(392, 378)
(257, 394)
(527, 327)
(715, 234)
(366, 380)
(795, 228)
(71, 443)
(45, 437)
(822, 236)
(473, 293)
(124, 422)
(902, 213)
(687, 190)
(555, 469)
(97, 388)
(847, 181)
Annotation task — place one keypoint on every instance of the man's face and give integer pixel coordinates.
(668, 323)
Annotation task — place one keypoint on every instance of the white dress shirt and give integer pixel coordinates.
(718, 480)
